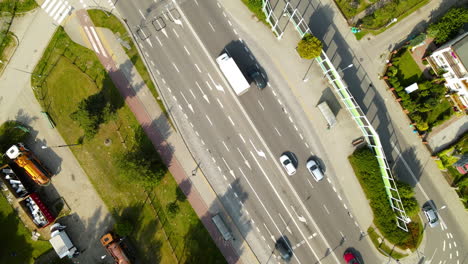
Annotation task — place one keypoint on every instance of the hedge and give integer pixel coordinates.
(367, 170)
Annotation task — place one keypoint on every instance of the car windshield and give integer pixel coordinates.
(314, 167)
(286, 162)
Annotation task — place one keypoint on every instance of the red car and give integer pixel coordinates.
(350, 258)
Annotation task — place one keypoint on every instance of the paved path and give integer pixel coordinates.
(166, 141)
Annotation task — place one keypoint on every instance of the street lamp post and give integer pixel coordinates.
(59, 146)
(339, 70)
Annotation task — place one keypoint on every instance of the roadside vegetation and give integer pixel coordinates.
(367, 170)
(105, 20)
(350, 8)
(255, 6)
(448, 26)
(18, 6)
(427, 106)
(17, 246)
(74, 88)
(309, 47)
(393, 9)
(446, 160)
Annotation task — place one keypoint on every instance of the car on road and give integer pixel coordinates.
(257, 77)
(431, 215)
(287, 164)
(350, 257)
(315, 170)
(284, 249)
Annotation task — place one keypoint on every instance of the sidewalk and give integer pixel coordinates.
(167, 142)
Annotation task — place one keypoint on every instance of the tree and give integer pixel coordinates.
(123, 227)
(309, 47)
(449, 25)
(144, 170)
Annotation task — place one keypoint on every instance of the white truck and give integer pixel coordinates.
(61, 242)
(233, 74)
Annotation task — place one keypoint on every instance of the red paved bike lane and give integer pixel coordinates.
(162, 146)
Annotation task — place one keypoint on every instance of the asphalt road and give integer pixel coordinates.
(243, 137)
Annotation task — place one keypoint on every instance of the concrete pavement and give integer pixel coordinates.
(89, 216)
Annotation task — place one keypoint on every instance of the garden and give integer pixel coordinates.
(367, 170)
(445, 162)
(117, 156)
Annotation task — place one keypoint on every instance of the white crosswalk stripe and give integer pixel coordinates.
(57, 9)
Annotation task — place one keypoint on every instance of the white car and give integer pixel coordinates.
(431, 215)
(288, 165)
(315, 170)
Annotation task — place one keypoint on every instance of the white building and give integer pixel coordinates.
(453, 58)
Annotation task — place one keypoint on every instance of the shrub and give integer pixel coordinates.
(173, 207)
(425, 62)
(367, 170)
(123, 227)
(448, 26)
(309, 47)
(255, 6)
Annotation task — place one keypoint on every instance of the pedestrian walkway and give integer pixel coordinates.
(58, 10)
(146, 110)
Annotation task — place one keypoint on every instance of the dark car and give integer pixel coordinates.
(284, 249)
(257, 77)
(350, 257)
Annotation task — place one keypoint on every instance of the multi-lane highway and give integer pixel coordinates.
(239, 139)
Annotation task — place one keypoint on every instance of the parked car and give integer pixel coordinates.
(315, 170)
(284, 249)
(350, 257)
(287, 164)
(431, 215)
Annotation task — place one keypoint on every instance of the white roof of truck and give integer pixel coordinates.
(13, 152)
(62, 244)
(233, 74)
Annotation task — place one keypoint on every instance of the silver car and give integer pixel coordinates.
(315, 170)
(287, 164)
(431, 215)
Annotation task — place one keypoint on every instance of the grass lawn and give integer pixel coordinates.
(348, 10)
(101, 19)
(17, 246)
(382, 246)
(408, 70)
(68, 79)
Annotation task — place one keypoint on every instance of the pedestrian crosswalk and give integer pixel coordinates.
(57, 9)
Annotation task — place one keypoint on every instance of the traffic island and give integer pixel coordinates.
(397, 241)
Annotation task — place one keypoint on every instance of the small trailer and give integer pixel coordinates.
(327, 113)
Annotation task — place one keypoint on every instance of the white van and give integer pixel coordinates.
(223, 229)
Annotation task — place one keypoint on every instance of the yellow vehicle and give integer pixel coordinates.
(24, 158)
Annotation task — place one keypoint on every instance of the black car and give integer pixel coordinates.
(284, 249)
(257, 77)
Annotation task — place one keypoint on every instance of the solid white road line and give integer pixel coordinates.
(141, 13)
(196, 66)
(212, 28)
(243, 140)
(284, 222)
(209, 120)
(219, 102)
(226, 146)
(279, 134)
(186, 50)
(268, 230)
(175, 66)
(261, 105)
(232, 122)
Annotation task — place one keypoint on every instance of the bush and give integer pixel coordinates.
(309, 47)
(255, 6)
(123, 228)
(173, 207)
(367, 170)
(448, 26)
(12, 132)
